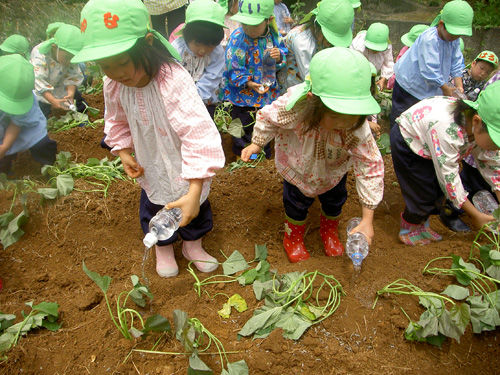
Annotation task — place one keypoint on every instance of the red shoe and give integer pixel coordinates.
(294, 240)
(330, 235)
(1, 285)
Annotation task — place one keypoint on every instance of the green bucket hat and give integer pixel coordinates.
(488, 109)
(16, 44)
(52, 28)
(67, 37)
(457, 17)
(16, 85)
(335, 18)
(205, 10)
(253, 12)
(409, 38)
(329, 69)
(377, 37)
(488, 56)
(110, 27)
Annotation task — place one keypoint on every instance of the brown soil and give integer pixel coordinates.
(46, 265)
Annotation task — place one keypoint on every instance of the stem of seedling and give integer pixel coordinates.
(198, 284)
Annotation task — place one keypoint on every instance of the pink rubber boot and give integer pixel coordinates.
(166, 266)
(193, 251)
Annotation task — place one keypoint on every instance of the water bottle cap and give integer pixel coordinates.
(150, 240)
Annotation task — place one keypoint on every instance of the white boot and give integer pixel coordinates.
(166, 266)
(192, 250)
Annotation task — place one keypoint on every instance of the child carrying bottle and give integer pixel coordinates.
(243, 82)
(424, 70)
(200, 49)
(156, 122)
(22, 124)
(56, 78)
(283, 18)
(320, 131)
(329, 24)
(432, 138)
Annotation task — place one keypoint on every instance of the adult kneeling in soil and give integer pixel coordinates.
(156, 122)
(22, 124)
(432, 138)
(320, 131)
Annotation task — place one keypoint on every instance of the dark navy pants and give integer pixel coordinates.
(44, 152)
(197, 228)
(417, 179)
(401, 101)
(297, 204)
(245, 115)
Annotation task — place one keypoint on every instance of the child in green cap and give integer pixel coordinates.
(244, 84)
(424, 70)
(475, 75)
(200, 49)
(431, 139)
(156, 122)
(374, 45)
(15, 44)
(56, 78)
(22, 124)
(320, 131)
(329, 24)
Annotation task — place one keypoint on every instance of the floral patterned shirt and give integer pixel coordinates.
(244, 63)
(52, 76)
(315, 162)
(430, 131)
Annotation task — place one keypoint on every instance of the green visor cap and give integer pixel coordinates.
(110, 27)
(330, 69)
(253, 12)
(489, 110)
(52, 28)
(335, 18)
(67, 37)
(457, 17)
(488, 56)
(377, 37)
(16, 85)
(15, 44)
(205, 10)
(409, 38)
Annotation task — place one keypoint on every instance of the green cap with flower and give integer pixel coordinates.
(16, 85)
(110, 27)
(329, 70)
(205, 10)
(253, 12)
(67, 37)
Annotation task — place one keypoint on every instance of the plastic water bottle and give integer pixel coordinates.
(357, 245)
(268, 67)
(162, 226)
(484, 202)
(459, 95)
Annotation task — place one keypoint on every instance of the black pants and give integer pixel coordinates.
(401, 101)
(44, 152)
(196, 229)
(246, 116)
(297, 204)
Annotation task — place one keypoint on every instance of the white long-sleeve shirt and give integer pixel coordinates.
(383, 60)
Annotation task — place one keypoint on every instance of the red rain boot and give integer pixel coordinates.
(330, 235)
(294, 240)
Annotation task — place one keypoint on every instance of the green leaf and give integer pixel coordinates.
(6, 218)
(456, 292)
(236, 368)
(225, 312)
(238, 302)
(436, 340)
(292, 324)
(429, 323)
(247, 277)
(157, 323)
(93, 162)
(13, 232)
(493, 271)
(491, 317)
(460, 313)
(101, 281)
(6, 320)
(235, 128)
(261, 288)
(495, 257)
(261, 320)
(65, 184)
(135, 332)
(48, 193)
(139, 291)
(51, 326)
(414, 332)
(234, 263)
(384, 143)
(463, 271)
(93, 111)
(197, 366)
(448, 327)
(184, 331)
(478, 309)
(62, 159)
(50, 308)
(260, 252)
(484, 253)
(431, 302)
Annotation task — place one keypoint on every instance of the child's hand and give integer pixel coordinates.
(375, 128)
(60, 104)
(481, 219)
(275, 53)
(248, 151)
(382, 84)
(130, 165)
(260, 89)
(288, 20)
(365, 227)
(190, 207)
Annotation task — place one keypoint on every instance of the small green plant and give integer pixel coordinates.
(43, 315)
(97, 75)
(261, 156)
(297, 10)
(224, 121)
(72, 120)
(384, 144)
(125, 316)
(384, 99)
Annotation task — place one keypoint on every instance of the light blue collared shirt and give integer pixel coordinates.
(33, 128)
(428, 64)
